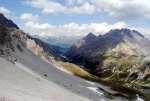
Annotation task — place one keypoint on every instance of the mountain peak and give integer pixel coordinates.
(6, 22)
(90, 33)
(118, 31)
(117, 39)
(90, 37)
(124, 32)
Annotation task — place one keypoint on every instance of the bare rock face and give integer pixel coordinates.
(46, 47)
(39, 50)
(14, 39)
(2, 34)
(22, 40)
(5, 43)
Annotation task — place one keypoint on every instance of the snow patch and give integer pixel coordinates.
(90, 82)
(138, 98)
(102, 100)
(94, 89)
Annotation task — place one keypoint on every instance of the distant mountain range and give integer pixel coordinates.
(123, 54)
(61, 41)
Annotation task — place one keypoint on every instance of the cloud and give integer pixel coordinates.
(74, 29)
(86, 8)
(116, 9)
(36, 26)
(71, 29)
(29, 17)
(49, 7)
(124, 9)
(75, 2)
(7, 13)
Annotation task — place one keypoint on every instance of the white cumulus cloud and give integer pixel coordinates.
(85, 8)
(116, 9)
(124, 9)
(72, 29)
(49, 6)
(36, 26)
(7, 13)
(29, 17)
(75, 2)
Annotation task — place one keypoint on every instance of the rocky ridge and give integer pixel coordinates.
(12, 38)
(7, 23)
(118, 56)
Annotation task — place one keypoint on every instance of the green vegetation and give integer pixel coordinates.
(121, 67)
(124, 90)
(74, 69)
(120, 73)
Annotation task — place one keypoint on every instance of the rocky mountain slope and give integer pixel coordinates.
(53, 51)
(118, 56)
(26, 61)
(11, 37)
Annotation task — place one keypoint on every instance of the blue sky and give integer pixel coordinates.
(77, 17)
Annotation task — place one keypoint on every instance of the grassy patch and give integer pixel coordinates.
(116, 81)
(74, 69)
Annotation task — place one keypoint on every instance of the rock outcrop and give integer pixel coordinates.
(14, 39)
